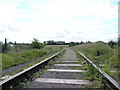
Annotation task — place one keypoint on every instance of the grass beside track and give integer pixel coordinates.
(14, 58)
(92, 74)
(100, 53)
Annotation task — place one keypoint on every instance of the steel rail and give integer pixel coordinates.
(12, 80)
(109, 79)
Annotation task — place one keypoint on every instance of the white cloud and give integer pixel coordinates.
(8, 12)
(49, 20)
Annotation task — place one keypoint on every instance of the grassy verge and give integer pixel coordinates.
(100, 53)
(14, 58)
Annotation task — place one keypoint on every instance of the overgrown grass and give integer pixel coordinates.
(100, 53)
(14, 58)
(93, 75)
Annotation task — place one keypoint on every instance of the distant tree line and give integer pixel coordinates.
(78, 43)
(35, 44)
(52, 42)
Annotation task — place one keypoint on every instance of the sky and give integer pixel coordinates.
(58, 20)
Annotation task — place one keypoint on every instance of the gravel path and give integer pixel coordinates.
(61, 79)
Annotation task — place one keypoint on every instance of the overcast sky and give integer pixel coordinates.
(64, 20)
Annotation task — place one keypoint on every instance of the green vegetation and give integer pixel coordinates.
(16, 47)
(92, 74)
(17, 53)
(13, 47)
(14, 58)
(101, 53)
(112, 44)
(36, 44)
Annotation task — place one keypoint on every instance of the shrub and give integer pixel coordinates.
(36, 44)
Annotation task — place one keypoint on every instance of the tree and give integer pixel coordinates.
(36, 44)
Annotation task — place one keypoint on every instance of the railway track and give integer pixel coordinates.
(64, 72)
